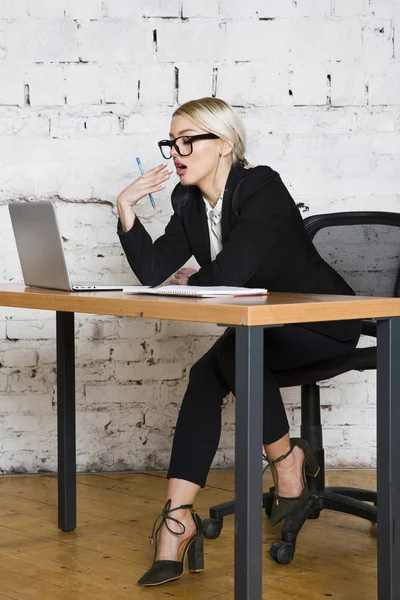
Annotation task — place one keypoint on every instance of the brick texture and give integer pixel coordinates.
(85, 87)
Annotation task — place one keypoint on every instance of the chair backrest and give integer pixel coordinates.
(363, 247)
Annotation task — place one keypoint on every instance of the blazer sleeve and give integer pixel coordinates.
(153, 262)
(265, 206)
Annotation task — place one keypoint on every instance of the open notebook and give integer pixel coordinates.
(197, 291)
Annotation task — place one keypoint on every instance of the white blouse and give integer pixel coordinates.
(214, 215)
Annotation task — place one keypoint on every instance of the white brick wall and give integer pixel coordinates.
(84, 88)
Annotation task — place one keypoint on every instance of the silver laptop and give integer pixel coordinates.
(41, 251)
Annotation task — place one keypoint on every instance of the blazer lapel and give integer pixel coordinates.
(236, 174)
(199, 235)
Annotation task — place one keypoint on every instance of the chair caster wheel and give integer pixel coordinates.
(282, 552)
(212, 528)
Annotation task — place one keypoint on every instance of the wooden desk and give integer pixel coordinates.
(249, 316)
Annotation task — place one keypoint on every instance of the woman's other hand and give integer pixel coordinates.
(151, 182)
(181, 277)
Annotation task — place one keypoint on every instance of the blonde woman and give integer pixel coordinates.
(244, 229)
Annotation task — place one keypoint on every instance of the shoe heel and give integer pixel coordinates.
(312, 467)
(196, 554)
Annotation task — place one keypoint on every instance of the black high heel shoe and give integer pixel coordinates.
(283, 507)
(167, 570)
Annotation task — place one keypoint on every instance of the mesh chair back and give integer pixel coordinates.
(363, 247)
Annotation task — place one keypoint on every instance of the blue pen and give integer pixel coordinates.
(142, 172)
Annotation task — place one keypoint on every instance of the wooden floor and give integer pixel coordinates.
(109, 551)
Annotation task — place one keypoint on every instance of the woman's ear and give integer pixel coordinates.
(227, 147)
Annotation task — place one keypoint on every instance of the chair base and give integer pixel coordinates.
(352, 501)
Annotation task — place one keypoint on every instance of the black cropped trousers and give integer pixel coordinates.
(212, 377)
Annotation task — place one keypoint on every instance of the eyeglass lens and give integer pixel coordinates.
(183, 146)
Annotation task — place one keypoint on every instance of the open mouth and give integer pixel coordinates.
(180, 168)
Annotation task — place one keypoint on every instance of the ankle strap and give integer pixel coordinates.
(165, 516)
(276, 460)
(170, 510)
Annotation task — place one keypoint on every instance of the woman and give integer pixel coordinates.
(244, 229)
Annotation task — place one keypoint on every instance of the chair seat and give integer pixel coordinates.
(360, 359)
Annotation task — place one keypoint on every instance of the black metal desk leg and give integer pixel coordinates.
(66, 421)
(388, 451)
(248, 462)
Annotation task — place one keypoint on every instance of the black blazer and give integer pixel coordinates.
(264, 241)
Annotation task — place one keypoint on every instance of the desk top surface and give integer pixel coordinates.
(276, 308)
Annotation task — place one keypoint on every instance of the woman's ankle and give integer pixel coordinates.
(290, 473)
(295, 458)
(171, 539)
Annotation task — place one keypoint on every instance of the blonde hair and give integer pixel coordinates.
(217, 116)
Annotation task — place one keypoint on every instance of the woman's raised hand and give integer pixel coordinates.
(151, 182)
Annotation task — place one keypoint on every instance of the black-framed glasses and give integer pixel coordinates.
(183, 144)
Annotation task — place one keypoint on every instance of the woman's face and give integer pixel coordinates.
(205, 159)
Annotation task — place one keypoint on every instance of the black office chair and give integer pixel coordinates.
(364, 247)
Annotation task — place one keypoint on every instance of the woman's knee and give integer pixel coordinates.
(202, 369)
(226, 361)
(205, 390)
(206, 373)
(206, 382)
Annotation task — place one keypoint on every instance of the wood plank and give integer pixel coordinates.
(276, 308)
(104, 557)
